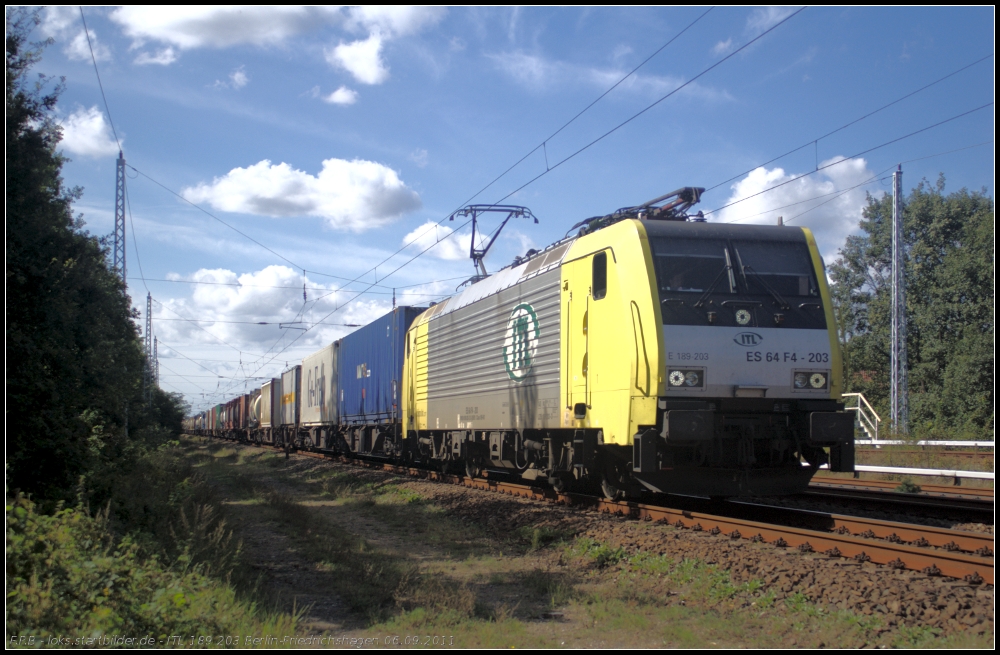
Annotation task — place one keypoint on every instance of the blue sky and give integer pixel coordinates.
(334, 137)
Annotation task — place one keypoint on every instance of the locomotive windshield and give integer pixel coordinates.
(737, 283)
(784, 267)
(693, 265)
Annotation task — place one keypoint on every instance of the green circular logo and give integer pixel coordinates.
(520, 342)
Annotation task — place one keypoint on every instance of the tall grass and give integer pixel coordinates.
(68, 575)
(157, 558)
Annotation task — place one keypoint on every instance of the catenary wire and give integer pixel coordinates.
(876, 178)
(856, 120)
(535, 149)
(299, 288)
(648, 107)
(99, 83)
(840, 161)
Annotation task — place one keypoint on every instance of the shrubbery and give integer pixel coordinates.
(66, 576)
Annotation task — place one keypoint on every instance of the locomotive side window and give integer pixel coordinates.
(692, 266)
(599, 284)
(784, 267)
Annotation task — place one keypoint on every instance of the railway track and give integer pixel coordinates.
(931, 550)
(943, 499)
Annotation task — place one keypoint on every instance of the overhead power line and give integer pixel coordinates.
(99, 83)
(585, 109)
(299, 287)
(854, 156)
(188, 358)
(195, 323)
(850, 123)
(650, 106)
(519, 161)
(839, 192)
(212, 320)
(210, 214)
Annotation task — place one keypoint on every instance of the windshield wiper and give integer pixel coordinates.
(703, 297)
(782, 303)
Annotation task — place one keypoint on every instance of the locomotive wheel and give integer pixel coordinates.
(472, 469)
(614, 478)
(610, 491)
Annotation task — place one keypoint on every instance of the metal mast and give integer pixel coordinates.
(119, 255)
(156, 363)
(898, 392)
(149, 346)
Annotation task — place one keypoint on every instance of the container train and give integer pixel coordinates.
(649, 352)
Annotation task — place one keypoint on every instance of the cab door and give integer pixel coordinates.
(576, 301)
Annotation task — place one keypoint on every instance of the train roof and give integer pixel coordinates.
(684, 229)
(505, 278)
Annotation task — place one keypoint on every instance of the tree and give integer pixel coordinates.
(949, 272)
(74, 359)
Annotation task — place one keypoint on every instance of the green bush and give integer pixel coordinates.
(66, 575)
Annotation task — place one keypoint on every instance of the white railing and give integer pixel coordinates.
(947, 444)
(944, 473)
(867, 418)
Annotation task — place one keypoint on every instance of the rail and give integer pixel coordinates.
(867, 418)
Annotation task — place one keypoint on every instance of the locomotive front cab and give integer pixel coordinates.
(751, 397)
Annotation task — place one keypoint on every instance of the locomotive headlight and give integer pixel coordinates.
(686, 378)
(810, 380)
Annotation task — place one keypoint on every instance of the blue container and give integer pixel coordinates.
(370, 369)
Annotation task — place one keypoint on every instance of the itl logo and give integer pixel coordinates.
(748, 339)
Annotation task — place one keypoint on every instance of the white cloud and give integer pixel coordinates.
(539, 73)
(831, 217)
(237, 80)
(79, 49)
(351, 195)
(362, 59)
(419, 157)
(766, 17)
(86, 133)
(621, 51)
(393, 21)
(342, 96)
(221, 26)
(723, 47)
(526, 69)
(438, 238)
(59, 20)
(231, 306)
(162, 57)
(65, 24)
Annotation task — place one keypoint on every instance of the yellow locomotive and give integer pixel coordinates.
(649, 351)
